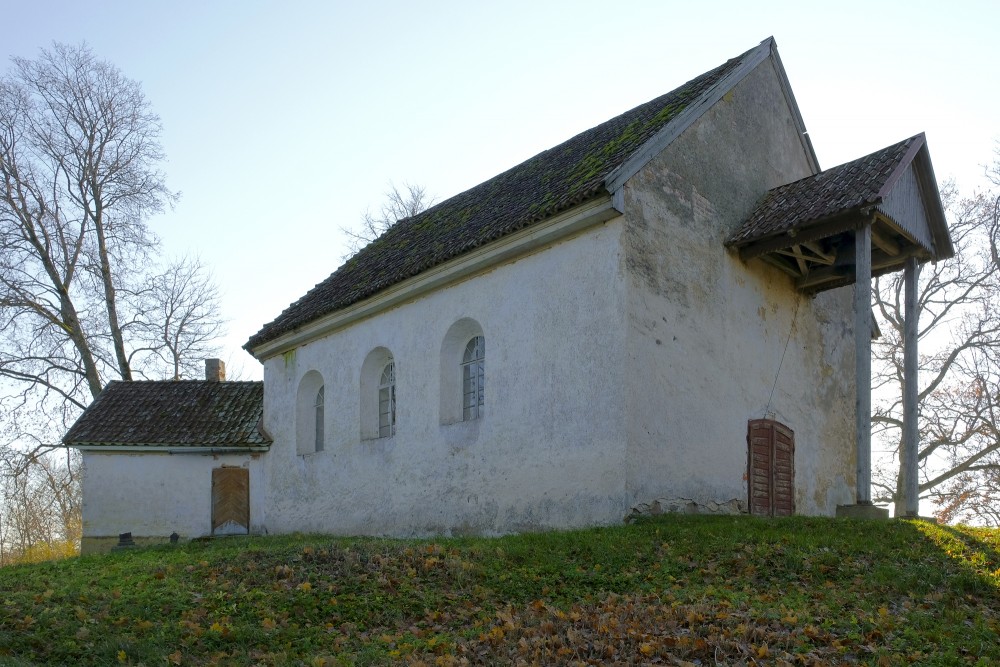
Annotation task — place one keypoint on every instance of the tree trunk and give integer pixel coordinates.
(109, 297)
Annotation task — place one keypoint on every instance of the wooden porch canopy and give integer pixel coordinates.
(806, 228)
(874, 215)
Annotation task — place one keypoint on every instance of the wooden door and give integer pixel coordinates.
(770, 468)
(230, 501)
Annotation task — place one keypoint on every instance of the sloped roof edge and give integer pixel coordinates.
(676, 127)
(943, 247)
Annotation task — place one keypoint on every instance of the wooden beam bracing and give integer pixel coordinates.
(878, 262)
(887, 245)
(821, 257)
(800, 260)
(779, 262)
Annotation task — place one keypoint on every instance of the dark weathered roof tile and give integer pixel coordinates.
(192, 413)
(838, 190)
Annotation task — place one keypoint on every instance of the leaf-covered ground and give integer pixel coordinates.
(677, 590)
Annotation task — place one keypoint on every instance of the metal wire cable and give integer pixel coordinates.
(798, 302)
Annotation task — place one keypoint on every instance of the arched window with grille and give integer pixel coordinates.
(387, 401)
(473, 367)
(378, 395)
(462, 381)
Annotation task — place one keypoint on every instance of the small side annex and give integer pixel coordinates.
(171, 457)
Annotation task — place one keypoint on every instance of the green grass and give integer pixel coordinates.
(674, 590)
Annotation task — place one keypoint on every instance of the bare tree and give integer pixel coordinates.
(178, 317)
(79, 156)
(80, 175)
(398, 205)
(959, 393)
(39, 506)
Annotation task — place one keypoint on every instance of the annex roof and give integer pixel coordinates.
(802, 226)
(593, 164)
(196, 414)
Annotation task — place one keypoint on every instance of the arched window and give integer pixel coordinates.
(473, 362)
(309, 414)
(387, 401)
(378, 395)
(463, 352)
(318, 408)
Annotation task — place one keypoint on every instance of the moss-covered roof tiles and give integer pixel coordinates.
(552, 181)
(188, 413)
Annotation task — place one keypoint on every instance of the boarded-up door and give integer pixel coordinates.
(230, 501)
(771, 468)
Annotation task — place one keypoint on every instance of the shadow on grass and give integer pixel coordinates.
(978, 559)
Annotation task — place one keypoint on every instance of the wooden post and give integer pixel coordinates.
(911, 430)
(863, 360)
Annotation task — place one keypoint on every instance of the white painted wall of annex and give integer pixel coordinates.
(707, 331)
(156, 494)
(549, 451)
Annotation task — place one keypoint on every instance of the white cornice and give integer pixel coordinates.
(502, 250)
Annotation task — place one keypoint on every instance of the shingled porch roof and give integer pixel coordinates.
(591, 165)
(189, 414)
(806, 228)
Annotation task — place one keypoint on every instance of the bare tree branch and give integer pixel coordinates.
(398, 205)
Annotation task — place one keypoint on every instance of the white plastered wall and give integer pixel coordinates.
(152, 495)
(549, 451)
(707, 331)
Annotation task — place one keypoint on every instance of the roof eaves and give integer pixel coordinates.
(169, 449)
(524, 240)
(804, 231)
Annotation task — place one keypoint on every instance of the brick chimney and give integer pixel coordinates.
(215, 370)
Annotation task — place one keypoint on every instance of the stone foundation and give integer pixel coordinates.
(686, 506)
(862, 511)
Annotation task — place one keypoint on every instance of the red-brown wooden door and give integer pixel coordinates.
(770, 468)
(230, 501)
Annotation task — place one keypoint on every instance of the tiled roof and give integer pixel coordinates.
(838, 190)
(550, 182)
(192, 413)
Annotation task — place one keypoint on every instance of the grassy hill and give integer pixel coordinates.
(677, 590)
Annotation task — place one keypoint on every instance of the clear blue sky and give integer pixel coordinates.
(284, 121)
